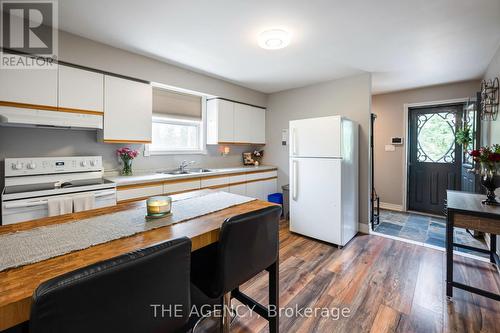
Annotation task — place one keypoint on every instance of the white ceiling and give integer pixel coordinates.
(404, 43)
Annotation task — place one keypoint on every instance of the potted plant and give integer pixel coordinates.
(127, 155)
(464, 136)
(487, 165)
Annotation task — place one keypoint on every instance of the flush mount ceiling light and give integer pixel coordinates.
(274, 39)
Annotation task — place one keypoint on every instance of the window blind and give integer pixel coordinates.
(172, 103)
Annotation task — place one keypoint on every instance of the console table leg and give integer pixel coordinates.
(449, 254)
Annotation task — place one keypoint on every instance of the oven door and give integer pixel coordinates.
(23, 210)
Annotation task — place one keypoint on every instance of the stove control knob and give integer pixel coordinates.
(17, 166)
(93, 163)
(83, 163)
(31, 165)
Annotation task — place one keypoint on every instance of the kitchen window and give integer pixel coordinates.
(177, 123)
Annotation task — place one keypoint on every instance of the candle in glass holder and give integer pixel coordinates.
(159, 206)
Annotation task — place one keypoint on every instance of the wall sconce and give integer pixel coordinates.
(224, 151)
(489, 99)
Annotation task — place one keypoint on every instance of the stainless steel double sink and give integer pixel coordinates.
(185, 172)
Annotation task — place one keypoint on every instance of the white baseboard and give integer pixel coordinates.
(389, 206)
(362, 227)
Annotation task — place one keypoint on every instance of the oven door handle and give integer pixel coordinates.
(21, 204)
(104, 193)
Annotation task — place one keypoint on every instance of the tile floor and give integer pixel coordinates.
(426, 229)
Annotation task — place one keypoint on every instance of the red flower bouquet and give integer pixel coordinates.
(127, 155)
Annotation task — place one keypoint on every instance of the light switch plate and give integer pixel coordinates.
(284, 136)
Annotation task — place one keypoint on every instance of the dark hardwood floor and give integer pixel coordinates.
(387, 285)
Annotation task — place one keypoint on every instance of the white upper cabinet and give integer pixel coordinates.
(127, 110)
(220, 121)
(80, 89)
(29, 86)
(230, 122)
(243, 126)
(258, 121)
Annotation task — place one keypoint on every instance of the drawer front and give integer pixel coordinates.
(207, 182)
(262, 175)
(237, 179)
(140, 192)
(181, 186)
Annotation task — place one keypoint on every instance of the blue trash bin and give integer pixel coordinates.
(276, 198)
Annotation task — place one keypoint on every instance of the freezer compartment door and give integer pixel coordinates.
(315, 206)
(315, 137)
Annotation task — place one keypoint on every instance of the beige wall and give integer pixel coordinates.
(493, 71)
(389, 109)
(349, 97)
(84, 52)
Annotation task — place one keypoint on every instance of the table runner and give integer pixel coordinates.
(41, 243)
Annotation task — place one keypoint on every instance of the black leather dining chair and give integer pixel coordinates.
(146, 291)
(248, 244)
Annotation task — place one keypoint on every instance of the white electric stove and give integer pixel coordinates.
(30, 182)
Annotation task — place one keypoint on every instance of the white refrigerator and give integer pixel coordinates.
(324, 178)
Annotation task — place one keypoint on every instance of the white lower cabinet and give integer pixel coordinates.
(214, 181)
(261, 189)
(259, 186)
(181, 186)
(240, 189)
(139, 192)
(269, 186)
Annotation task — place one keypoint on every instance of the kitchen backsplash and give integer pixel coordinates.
(40, 142)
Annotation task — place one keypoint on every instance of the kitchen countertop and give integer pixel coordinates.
(142, 178)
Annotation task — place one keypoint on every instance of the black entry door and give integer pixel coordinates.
(435, 159)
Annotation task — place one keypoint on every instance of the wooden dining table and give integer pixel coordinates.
(17, 284)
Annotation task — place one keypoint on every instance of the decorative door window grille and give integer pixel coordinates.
(436, 137)
(469, 119)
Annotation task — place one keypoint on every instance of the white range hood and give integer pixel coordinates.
(21, 117)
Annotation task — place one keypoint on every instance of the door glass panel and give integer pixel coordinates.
(436, 137)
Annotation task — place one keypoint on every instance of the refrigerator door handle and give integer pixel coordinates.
(294, 175)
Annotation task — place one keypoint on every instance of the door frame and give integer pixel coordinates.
(406, 123)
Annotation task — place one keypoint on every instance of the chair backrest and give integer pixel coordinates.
(248, 244)
(143, 291)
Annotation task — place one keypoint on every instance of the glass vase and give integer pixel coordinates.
(490, 179)
(127, 167)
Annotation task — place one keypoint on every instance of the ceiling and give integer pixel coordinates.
(404, 43)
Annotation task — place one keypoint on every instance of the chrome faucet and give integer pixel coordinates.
(184, 165)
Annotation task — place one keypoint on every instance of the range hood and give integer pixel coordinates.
(21, 117)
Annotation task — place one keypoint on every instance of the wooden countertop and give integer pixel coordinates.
(17, 284)
(470, 203)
